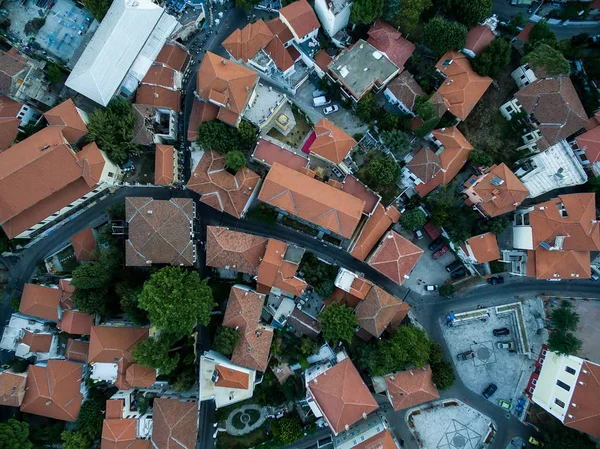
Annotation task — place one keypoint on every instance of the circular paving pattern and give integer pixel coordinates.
(483, 353)
(245, 418)
(459, 441)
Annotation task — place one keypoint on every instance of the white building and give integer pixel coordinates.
(523, 76)
(374, 432)
(122, 50)
(28, 337)
(333, 14)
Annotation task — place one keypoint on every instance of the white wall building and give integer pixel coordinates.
(28, 337)
(333, 14)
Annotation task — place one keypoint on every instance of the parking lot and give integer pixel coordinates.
(508, 370)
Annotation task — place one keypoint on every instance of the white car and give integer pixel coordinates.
(331, 109)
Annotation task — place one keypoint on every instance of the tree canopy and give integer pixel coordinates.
(339, 323)
(413, 219)
(441, 35)
(318, 274)
(366, 11)
(98, 8)
(398, 142)
(288, 429)
(367, 106)
(91, 417)
(380, 170)
(409, 13)
(493, 58)
(540, 34)
(564, 318)
(564, 322)
(480, 158)
(565, 343)
(112, 130)
(471, 12)
(176, 300)
(154, 353)
(75, 439)
(547, 60)
(246, 135)
(234, 160)
(217, 136)
(225, 340)
(14, 435)
(91, 287)
(442, 375)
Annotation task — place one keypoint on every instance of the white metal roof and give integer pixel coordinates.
(128, 26)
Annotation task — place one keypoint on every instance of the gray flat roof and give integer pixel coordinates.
(359, 67)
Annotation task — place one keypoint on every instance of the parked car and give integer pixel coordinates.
(419, 234)
(490, 390)
(505, 345)
(453, 266)
(595, 276)
(504, 404)
(436, 244)
(320, 101)
(496, 280)
(331, 109)
(501, 332)
(431, 288)
(440, 252)
(458, 273)
(535, 442)
(466, 355)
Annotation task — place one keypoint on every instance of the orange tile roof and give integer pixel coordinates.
(173, 55)
(425, 165)
(140, 376)
(114, 408)
(589, 142)
(42, 302)
(227, 83)
(84, 245)
(478, 38)
(243, 309)
(37, 342)
(77, 323)
(523, 36)
(281, 56)
(245, 43)
(399, 317)
(164, 166)
(342, 297)
(503, 198)
(411, 387)
(252, 349)
(280, 29)
(452, 158)
(387, 39)
(110, 343)
(275, 272)
(118, 433)
(77, 351)
(395, 257)
(381, 440)
(269, 153)
(202, 111)
(311, 200)
(356, 188)
(234, 250)
(582, 412)
(561, 265)
(66, 117)
(331, 143)
(219, 188)
(463, 88)
(341, 395)
(158, 96)
(175, 424)
(406, 89)
(377, 310)
(231, 378)
(9, 123)
(12, 388)
(160, 75)
(301, 17)
(360, 287)
(322, 59)
(484, 247)
(376, 226)
(54, 390)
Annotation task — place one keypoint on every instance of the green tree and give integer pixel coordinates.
(480, 158)
(338, 322)
(308, 346)
(493, 58)
(447, 290)
(155, 353)
(367, 106)
(246, 135)
(565, 343)
(18, 365)
(435, 353)
(14, 435)
(389, 122)
(91, 301)
(442, 375)
(90, 276)
(288, 429)
(176, 300)
(116, 211)
(112, 130)
(98, 8)
(216, 135)
(410, 13)
(225, 340)
(235, 160)
(558, 436)
(471, 12)
(246, 4)
(440, 35)
(413, 219)
(398, 142)
(495, 225)
(407, 346)
(380, 170)
(564, 318)
(366, 11)
(540, 34)
(129, 296)
(75, 439)
(391, 8)
(547, 60)
(426, 112)
(318, 274)
(54, 73)
(91, 417)
(518, 20)
(325, 288)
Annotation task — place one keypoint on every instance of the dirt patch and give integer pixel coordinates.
(296, 136)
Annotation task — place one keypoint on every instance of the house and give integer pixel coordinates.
(69, 119)
(360, 69)
(166, 167)
(30, 339)
(77, 350)
(13, 71)
(227, 85)
(160, 231)
(403, 92)
(175, 423)
(480, 249)
(374, 432)
(201, 112)
(234, 251)
(224, 382)
(389, 41)
(34, 204)
(84, 245)
(336, 392)
(220, 189)
(41, 302)
(301, 20)
(587, 150)
(243, 312)
(372, 231)
(522, 38)
(13, 116)
(428, 169)
(407, 389)
(567, 387)
(75, 323)
(267, 153)
(108, 68)
(111, 360)
(395, 257)
(322, 61)
(125, 427)
(54, 389)
(553, 108)
(462, 87)
(379, 311)
(495, 192)
(331, 144)
(555, 238)
(12, 388)
(480, 36)
(328, 209)
(524, 75)
(334, 16)
(154, 124)
(352, 185)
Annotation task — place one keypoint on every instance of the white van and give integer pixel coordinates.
(320, 101)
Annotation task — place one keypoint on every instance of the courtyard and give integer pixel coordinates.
(508, 369)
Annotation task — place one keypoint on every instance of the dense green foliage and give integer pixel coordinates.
(288, 429)
(234, 160)
(98, 8)
(493, 59)
(225, 340)
(480, 158)
(366, 11)
(129, 296)
(339, 323)
(447, 210)
(446, 290)
(91, 416)
(14, 435)
(443, 375)
(413, 219)
(155, 353)
(471, 12)
(367, 107)
(540, 34)
(75, 439)
(441, 35)
(564, 322)
(546, 59)
(398, 142)
(380, 170)
(217, 136)
(55, 73)
(318, 274)
(565, 343)
(410, 13)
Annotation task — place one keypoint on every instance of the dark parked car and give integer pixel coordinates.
(436, 244)
(466, 355)
(453, 266)
(458, 273)
(440, 252)
(490, 390)
(496, 280)
(501, 332)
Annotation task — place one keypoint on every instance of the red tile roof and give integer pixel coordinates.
(231, 378)
(356, 188)
(387, 39)
(77, 323)
(269, 153)
(590, 143)
(173, 55)
(280, 29)
(582, 412)
(322, 59)
(158, 96)
(376, 226)
(341, 395)
(276, 272)
(243, 309)
(478, 38)
(523, 36)
(483, 248)
(9, 123)
(11, 64)
(114, 408)
(164, 165)
(395, 257)
(12, 388)
(77, 351)
(118, 433)
(377, 310)
(252, 349)
(37, 342)
(66, 117)
(84, 245)
(42, 302)
(219, 188)
(331, 143)
(411, 387)
(140, 376)
(202, 111)
(406, 89)
(381, 440)
(301, 17)
(234, 250)
(175, 424)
